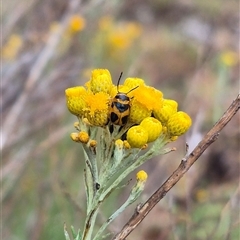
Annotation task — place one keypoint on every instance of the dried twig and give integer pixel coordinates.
(184, 166)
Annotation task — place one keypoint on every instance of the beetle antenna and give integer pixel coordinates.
(132, 89)
(119, 80)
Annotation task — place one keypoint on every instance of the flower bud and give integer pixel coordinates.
(74, 137)
(83, 137)
(141, 176)
(153, 128)
(179, 123)
(137, 136)
(92, 143)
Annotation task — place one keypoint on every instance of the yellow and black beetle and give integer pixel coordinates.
(120, 107)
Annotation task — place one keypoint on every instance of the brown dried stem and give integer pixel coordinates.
(142, 211)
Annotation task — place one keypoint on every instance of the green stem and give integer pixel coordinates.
(91, 157)
(129, 201)
(103, 193)
(89, 184)
(137, 161)
(89, 224)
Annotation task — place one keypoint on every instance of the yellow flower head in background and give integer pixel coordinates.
(76, 24)
(105, 23)
(119, 40)
(12, 47)
(116, 37)
(133, 30)
(122, 36)
(229, 58)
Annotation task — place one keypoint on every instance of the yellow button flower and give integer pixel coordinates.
(101, 81)
(153, 127)
(149, 97)
(169, 108)
(97, 108)
(138, 112)
(133, 82)
(116, 89)
(144, 100)
(75, 97)
(179, 123)
(137, 136)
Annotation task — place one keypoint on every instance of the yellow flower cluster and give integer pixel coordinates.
(91, 102)
(148, 114)
(119, 36)
(82, 137)
(229, 58)
(76, 24)
(12, 47)
(116, 124)
(116, 38)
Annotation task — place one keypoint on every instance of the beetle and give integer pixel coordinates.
(120, 106)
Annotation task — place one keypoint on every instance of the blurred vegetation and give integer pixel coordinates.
(187, 49)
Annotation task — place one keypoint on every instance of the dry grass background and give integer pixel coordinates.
(187, 49)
